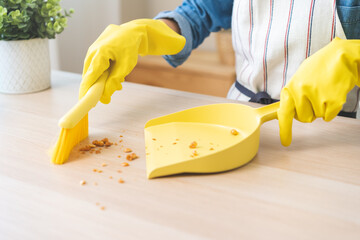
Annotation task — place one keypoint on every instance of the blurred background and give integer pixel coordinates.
(91, 17)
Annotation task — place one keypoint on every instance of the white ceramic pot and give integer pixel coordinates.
(24, 66)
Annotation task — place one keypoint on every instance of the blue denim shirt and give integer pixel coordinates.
(198, 18)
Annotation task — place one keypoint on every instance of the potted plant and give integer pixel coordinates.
(25, 27)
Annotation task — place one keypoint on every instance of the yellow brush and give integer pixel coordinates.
(74, 124)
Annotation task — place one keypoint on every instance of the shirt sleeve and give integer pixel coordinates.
(349, 15)
(197, 19)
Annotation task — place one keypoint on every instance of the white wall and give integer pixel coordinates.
(89, 20)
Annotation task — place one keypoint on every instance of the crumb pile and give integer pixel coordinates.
(97, 146)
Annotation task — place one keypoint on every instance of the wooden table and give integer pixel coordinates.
(310, 190)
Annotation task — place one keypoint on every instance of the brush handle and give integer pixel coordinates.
(85, 104)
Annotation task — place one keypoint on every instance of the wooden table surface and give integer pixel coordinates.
(310, 190)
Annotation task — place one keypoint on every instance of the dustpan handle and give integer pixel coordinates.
(85, 104)
(268, 112)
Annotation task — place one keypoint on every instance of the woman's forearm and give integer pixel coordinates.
(172, 24)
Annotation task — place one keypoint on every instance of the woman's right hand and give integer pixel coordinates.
(117, 50)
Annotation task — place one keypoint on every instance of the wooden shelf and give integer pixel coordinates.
(201, 73)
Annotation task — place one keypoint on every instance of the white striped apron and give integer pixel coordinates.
(272, 38)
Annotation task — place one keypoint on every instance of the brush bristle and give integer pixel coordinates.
(68, 139)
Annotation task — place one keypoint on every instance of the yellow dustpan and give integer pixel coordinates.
(203, 140)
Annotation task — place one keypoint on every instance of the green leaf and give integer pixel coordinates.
(3, 11)
(25, 19)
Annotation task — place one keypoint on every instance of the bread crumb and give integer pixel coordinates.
(104, 142)
(121, 180)
(127, 150)
(194, 154)
(82, 182)
(193, 144)
(234, 132)
(125, 164)
(131, 157)
(104, 165)
(98, 143)
(85, 148)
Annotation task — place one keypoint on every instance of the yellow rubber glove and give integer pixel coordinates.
(118, 47)
(320, 85)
